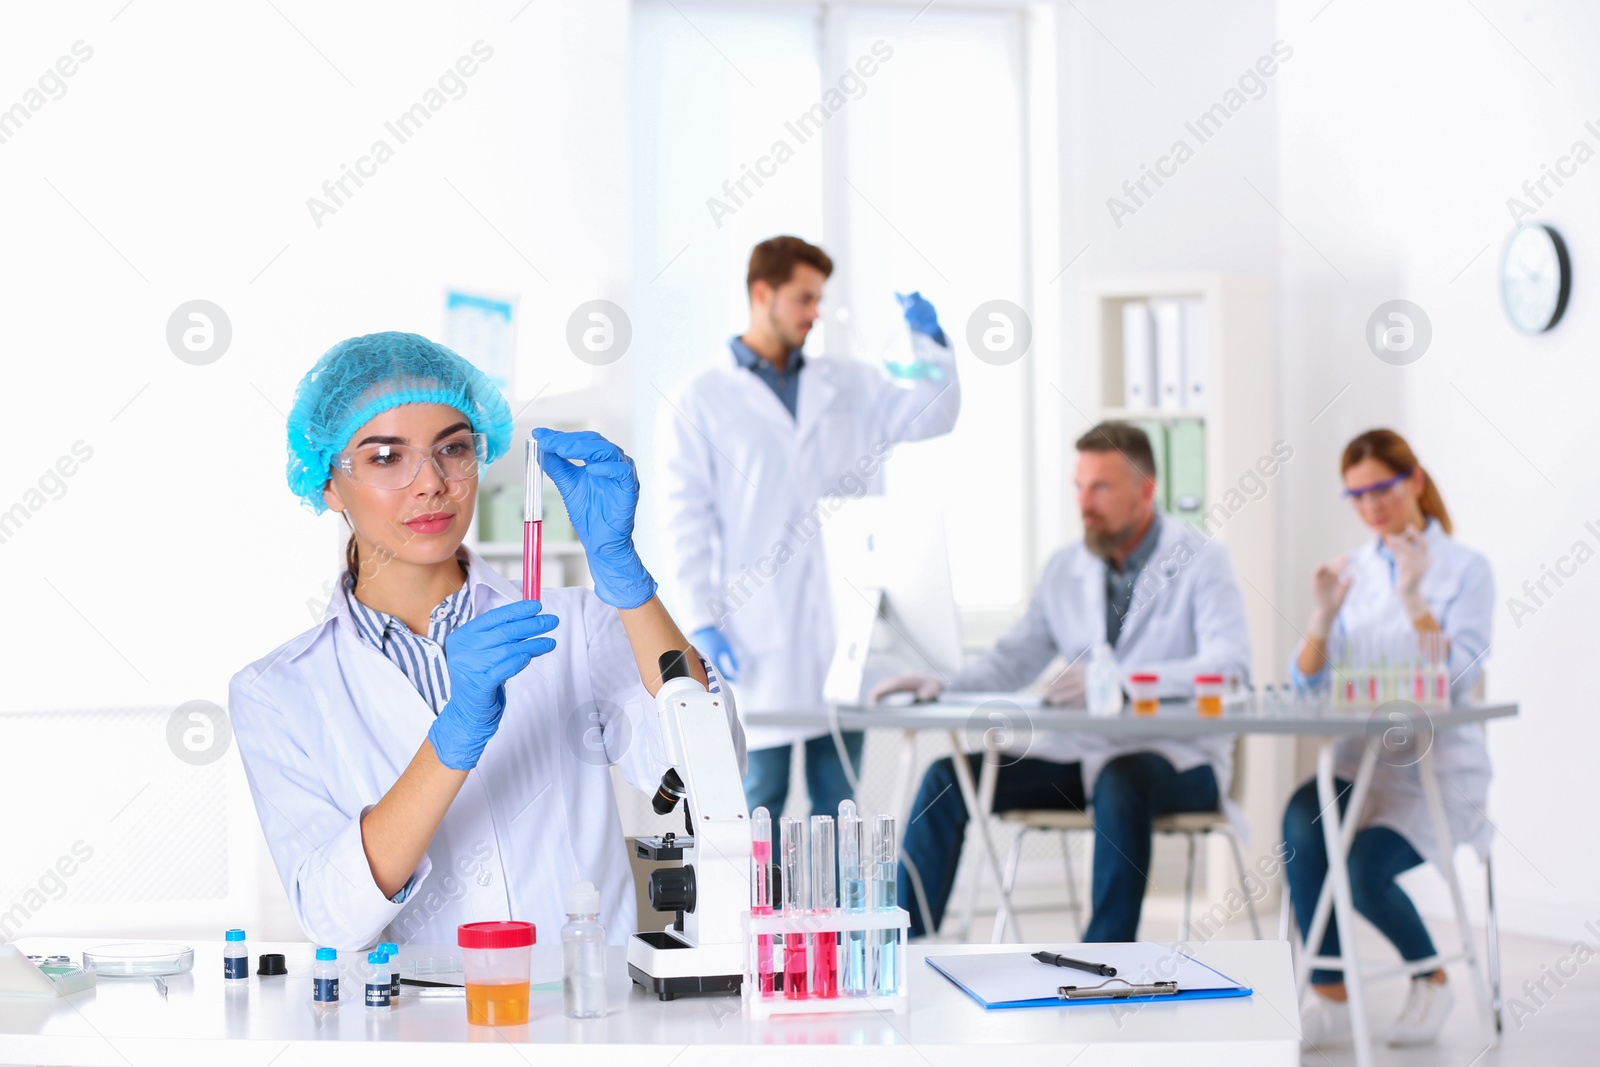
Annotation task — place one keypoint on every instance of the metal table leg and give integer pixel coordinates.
(1338, 845)
(1446, 844)
(978, 816)
(1324, 909)
(987, 776)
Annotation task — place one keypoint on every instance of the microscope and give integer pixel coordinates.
(703, 950)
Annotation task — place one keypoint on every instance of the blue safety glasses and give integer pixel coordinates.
(1376, 489)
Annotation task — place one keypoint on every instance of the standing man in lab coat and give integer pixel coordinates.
(1165, 599)
(750, 451)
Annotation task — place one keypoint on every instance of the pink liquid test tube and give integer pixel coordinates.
(761, 892)
(792, 845)
(532, 525)
(824, 898)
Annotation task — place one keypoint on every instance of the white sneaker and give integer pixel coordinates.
(1427, 1007)
(1324, 1023)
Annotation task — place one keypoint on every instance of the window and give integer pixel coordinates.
(914, 180)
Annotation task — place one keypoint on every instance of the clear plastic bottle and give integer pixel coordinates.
(392, 950)
(376, 980)
(1103, 683)
(325, 978)
(583, 955)
(235, 957)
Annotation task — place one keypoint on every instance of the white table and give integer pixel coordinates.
(126, 1022)
(986, 724)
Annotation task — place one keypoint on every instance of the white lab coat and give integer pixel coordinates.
(326, 724)
(1186, 618)
(740, 481)
(1459, 589)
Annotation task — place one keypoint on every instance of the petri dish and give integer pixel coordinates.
(138, 959)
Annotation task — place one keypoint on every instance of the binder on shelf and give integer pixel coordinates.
(1186, 469)
(1168, 318)
(1138, 357)
(1156, 430)
(1195, 354)
(1145, 971)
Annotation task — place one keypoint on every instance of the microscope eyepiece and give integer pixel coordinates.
(673, 664)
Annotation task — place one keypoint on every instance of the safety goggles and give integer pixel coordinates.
(456, 458)
(1374, 491)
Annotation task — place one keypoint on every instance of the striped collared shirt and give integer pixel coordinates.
(420, 657)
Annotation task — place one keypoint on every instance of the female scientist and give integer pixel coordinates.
(437, 750)
(1411, 579)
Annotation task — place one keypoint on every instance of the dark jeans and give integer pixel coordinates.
(1130, 792)
(766, 779)
(1377, 856)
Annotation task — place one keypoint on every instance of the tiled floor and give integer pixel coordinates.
(1556, 1029)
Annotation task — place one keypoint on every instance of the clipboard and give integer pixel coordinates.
(1145, 972)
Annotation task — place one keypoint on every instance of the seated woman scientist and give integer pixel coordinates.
(1410, 581)
(437, 750)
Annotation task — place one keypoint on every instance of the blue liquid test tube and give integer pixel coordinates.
(852, 898)
(885, 976)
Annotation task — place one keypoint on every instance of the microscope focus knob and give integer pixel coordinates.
(672, 888)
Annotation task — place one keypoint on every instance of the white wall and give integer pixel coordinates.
(1405, 127)
(1131, 75)
(1381, 156)
(192, 138)
(190, 141)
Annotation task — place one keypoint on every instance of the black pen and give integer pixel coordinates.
(1103, 970)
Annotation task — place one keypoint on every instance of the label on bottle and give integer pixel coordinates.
(236, 966)
(377, 994)
(325, 990)
(394, 983)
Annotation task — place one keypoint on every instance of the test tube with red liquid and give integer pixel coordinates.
(794, 846)
(761, 892)
(532, 525)
(824, 898)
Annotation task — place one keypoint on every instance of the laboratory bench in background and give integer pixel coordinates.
(197, 1020)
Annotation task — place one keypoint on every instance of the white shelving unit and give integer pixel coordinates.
(1238, 418)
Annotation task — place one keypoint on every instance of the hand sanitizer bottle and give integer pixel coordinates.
(1103, 683)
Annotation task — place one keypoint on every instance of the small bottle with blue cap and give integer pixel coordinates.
(235, 957)
(392, 950)
(325, 977)
(377, 980)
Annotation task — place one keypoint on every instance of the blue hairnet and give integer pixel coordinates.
(362, 377)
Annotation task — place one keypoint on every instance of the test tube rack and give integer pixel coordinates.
(1413, 667)
(759, 1006)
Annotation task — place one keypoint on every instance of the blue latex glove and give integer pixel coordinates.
(713, 645)
(482, 655)
(601, 497)
(920, 316)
